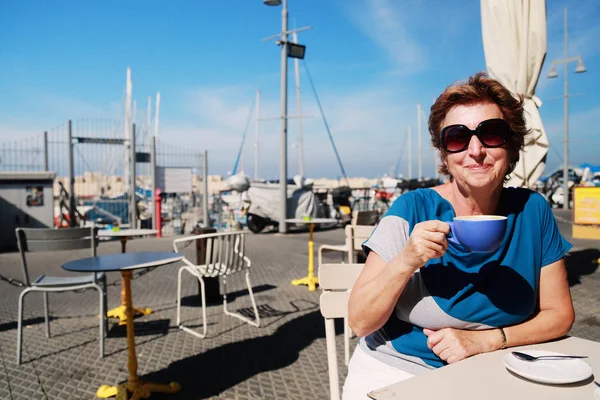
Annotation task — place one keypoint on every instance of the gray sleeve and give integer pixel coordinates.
(389, 238)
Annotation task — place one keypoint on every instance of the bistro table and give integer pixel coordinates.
(485, 376)
(126, 263)
(311, 280)
(123, 236)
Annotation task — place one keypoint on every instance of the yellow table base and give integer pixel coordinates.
(138, 390)
(310, 281)
(120, 312)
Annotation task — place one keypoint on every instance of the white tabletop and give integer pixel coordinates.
(126, 232)
(485, 377)
(312, 221)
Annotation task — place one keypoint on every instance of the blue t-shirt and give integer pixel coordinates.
(462, 290)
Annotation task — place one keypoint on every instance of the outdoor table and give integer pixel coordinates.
(485, 376)
(311, 280)
(124, 235)
(126, 263)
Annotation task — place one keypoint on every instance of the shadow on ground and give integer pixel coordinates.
(583, 262)
(216, 370)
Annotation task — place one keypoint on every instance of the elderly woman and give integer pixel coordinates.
(421, 302)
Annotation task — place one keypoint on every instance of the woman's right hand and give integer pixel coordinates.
(427, 241)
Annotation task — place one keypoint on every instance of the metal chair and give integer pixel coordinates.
(225, 255)
(31, 240)
(336, 280)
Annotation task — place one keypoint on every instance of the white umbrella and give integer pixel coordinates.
(514, 42)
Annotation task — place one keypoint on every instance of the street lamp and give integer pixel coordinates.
(553, 74)
(287, 50)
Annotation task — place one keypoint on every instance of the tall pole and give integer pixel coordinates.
(409, 154)
(46, 164)
(127, 132)
(566, 146)
(153, 183)
(299, 107)
(132, 194)
(205, 189)
(419, 141)
(72, 204)
(283, 151)
(257, 136)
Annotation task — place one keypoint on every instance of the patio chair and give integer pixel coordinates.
(225, 256)
(336, 280)
(355, 236)
(31, 240)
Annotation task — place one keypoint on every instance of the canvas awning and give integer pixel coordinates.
(514, 42)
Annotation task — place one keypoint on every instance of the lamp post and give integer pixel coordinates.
(553, 74)
(287, 50)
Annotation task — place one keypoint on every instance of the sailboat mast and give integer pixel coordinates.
(409, 154)
(157, 114)
(257, 135)
(127, 131)
(419, 154)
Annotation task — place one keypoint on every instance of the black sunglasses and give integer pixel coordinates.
(491, 133)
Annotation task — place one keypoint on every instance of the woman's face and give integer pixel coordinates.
(477, 167)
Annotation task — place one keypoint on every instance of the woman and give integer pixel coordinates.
(420, 302)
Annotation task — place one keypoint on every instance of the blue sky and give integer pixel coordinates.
(371, 61)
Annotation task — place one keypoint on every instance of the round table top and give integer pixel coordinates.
(126, 232)
(312, 221)
(122, 261)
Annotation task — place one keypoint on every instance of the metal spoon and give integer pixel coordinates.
(528, 357)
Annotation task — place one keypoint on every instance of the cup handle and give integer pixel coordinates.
(451, 237)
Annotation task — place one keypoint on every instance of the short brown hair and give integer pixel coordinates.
(480, 88)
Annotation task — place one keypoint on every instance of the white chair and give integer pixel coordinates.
(355, 237)
(336, 280)
(35, 239)
(225, 255)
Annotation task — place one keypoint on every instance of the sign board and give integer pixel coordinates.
(586, 205)
(142, 157)
(174, 180)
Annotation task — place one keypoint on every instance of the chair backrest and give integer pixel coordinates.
(355, 237)
(335, 280)
(365, 217)
(224, 254)
(45, 239)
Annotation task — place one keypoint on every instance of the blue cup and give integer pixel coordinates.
(478, 233)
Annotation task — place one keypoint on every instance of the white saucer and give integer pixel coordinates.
(548, 371)
(597, 394)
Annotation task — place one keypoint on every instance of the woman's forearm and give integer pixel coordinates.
(371, 304)
(546, 325)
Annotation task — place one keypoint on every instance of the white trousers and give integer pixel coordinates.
(366, 373)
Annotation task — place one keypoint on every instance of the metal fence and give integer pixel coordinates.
(90, 158)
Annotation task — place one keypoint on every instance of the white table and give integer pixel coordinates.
(124, 235)
(311, 280)
(485, 377)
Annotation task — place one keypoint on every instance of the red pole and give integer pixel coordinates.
(157, 204)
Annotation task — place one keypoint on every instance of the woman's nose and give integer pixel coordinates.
(476, 148)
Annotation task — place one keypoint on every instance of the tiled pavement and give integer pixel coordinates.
(284, 358)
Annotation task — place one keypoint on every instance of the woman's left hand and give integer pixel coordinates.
(452, 345)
